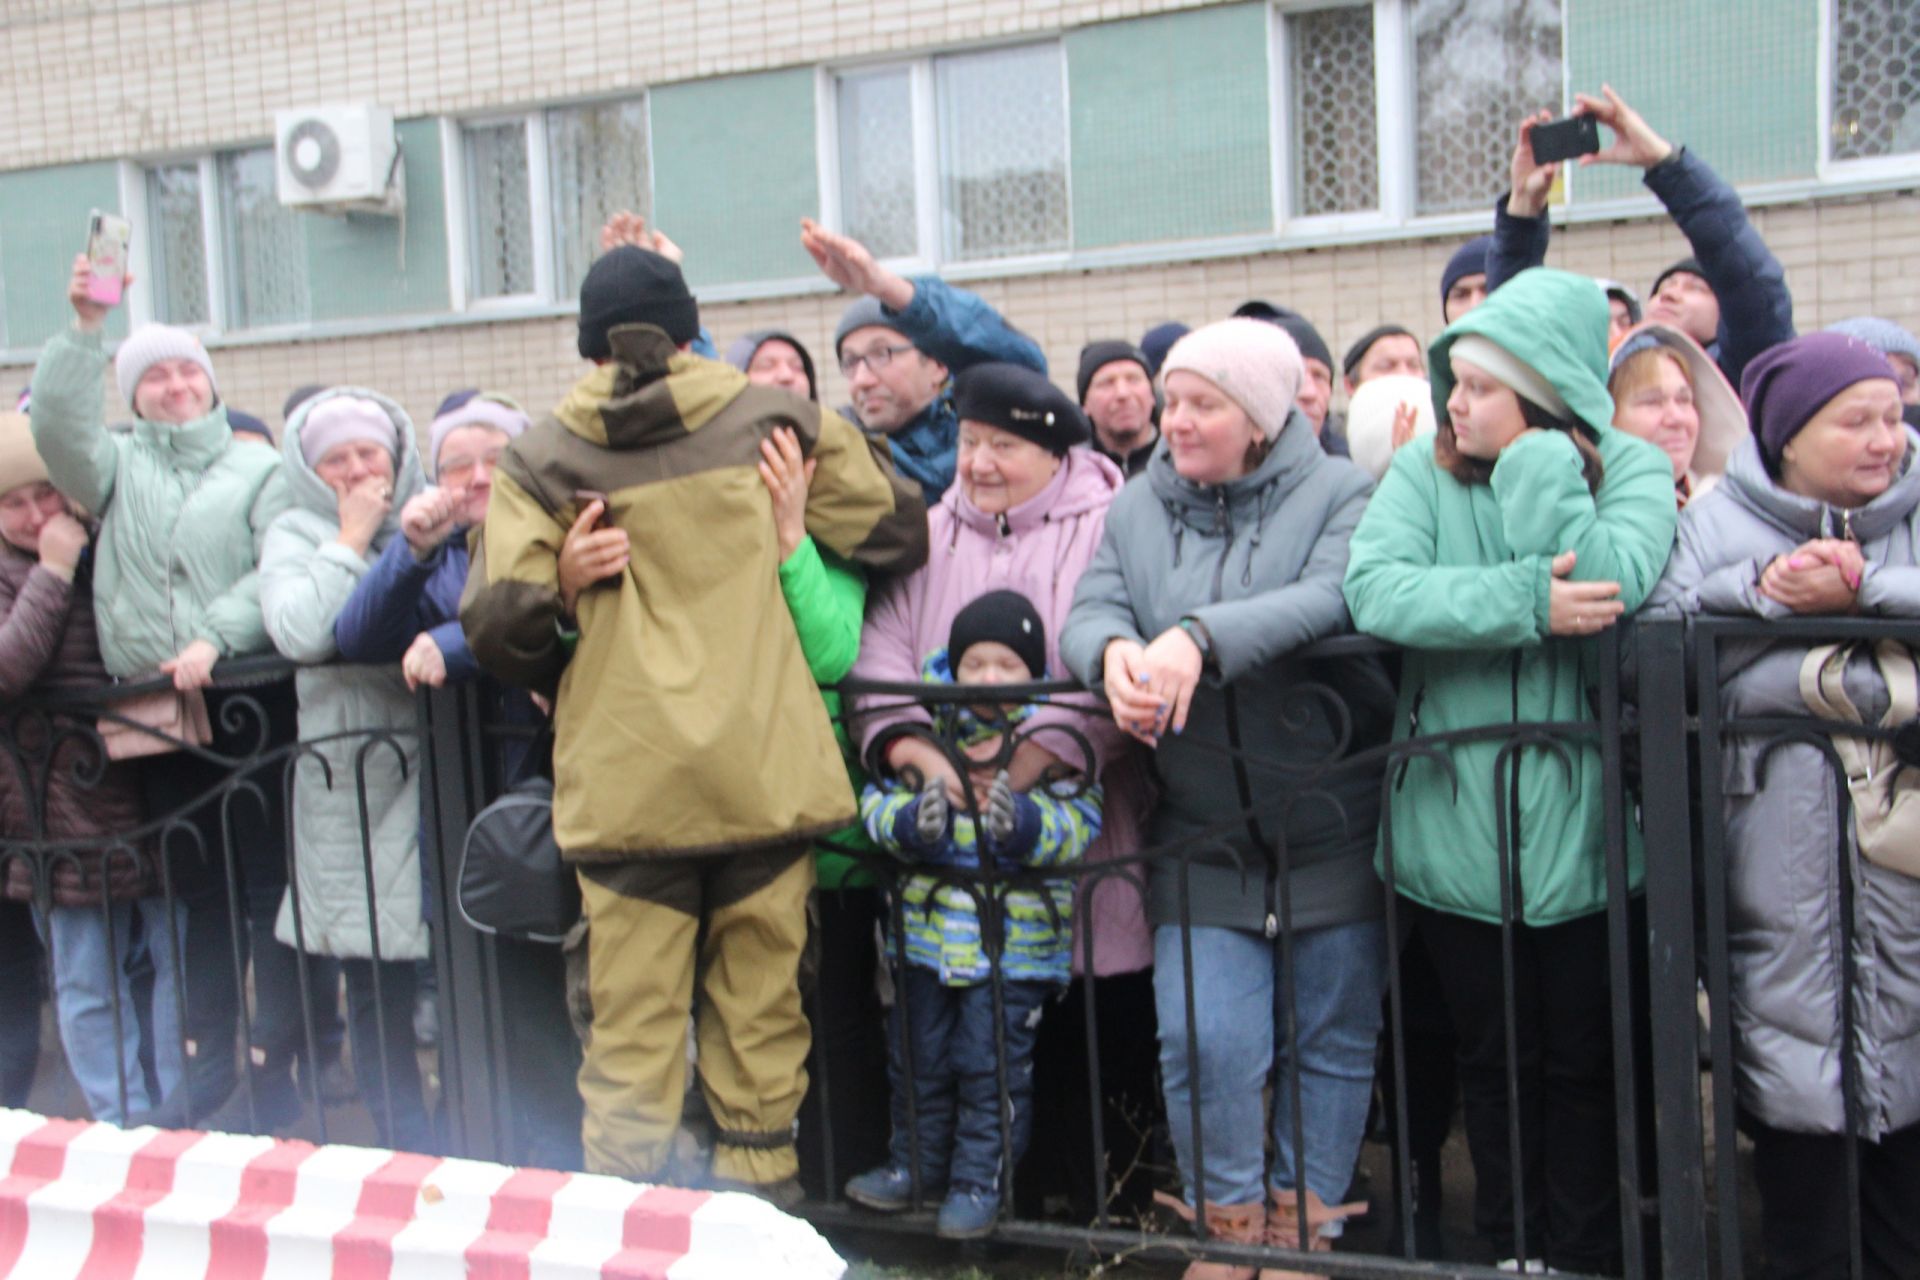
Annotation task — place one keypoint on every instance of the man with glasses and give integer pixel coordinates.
(898, 347)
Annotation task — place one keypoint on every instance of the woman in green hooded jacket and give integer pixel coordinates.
(1495, 556)
(184, 512)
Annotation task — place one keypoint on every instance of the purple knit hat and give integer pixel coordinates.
(1786, 385)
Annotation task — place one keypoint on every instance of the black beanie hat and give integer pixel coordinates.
(630, 285)
(1358, 351)
(1005, 616)
(1686, 267)
(1470, 259)
(1298, 327)
(297, 397)
(1096, 356)
(1015, 398)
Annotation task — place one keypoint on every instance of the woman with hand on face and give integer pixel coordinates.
(1530, 526)
(1819, 515)
(183, 511)
(106, 920)
(352, 467)
(1210, 575)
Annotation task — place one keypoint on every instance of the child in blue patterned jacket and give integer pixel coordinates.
(945, 992)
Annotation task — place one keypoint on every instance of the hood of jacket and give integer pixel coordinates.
(1200, 506)
(1086, 481)
(1555, 322)
(1804, 518)
(311, 493)
(1723, 422)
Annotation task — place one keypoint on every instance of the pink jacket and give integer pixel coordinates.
(1040, 549)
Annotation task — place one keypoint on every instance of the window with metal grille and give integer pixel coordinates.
(598, 161)
(266, 245)
(1003, 152)
(1874, 99)
(877, 202)
(177, 244)
(1479, 65)
(500, 211)
(983, 135)
(1332, 110)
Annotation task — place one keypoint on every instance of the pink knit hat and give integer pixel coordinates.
(1254, 362)
(338, 419)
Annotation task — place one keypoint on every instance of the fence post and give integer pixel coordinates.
(452, 792)
(1666, 800)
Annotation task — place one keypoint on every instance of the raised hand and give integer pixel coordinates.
(786, 475)
(850, 264)
(1530, 181)
(627, 227)
(428, 518)
(62, 539)
(1634, 143)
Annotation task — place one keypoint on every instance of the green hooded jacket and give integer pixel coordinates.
(183, 514)
(827, 597)
(1460, 575)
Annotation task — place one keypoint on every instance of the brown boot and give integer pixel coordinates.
(1283, 1228)
(1228, 1223)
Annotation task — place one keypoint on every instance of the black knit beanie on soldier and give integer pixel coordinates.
(1020, 400)
(1005, 616)
(630, 285)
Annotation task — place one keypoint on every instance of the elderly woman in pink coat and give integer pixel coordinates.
(1025, 514)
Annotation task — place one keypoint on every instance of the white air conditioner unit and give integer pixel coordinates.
(339, 159)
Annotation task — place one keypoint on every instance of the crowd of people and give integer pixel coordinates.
(672, 572)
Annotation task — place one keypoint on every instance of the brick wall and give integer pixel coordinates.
(88, 79)
(1843, 257)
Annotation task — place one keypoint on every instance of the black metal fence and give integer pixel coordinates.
(1662, 762)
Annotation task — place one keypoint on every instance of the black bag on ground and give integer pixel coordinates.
(512, 880)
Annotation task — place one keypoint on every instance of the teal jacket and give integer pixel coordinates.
(1460, 575)
(183, 514)
(943, 920)
(828, 599)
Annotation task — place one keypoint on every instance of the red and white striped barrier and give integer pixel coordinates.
(91, 1200)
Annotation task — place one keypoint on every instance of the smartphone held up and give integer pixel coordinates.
(1564, 139)
(108, 236)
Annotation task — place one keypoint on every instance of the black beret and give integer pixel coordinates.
(1019, 400)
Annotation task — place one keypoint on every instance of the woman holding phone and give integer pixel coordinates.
(183, 513)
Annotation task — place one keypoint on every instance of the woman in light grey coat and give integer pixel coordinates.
(351, 464)
(1819, 514)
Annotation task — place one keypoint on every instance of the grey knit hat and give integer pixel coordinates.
(1884, 336)
(864, 313)
(149, 345)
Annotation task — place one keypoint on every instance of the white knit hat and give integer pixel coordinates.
(1257, 364)
(152, 343)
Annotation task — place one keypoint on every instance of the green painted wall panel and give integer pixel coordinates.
(355, 264)
(43, 223)
(1170, 127)
(1734, 80)
(734, 172)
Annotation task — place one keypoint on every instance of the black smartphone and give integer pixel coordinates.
(1565, 139)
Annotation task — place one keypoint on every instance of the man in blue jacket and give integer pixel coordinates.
(1730, 296)
(899, 347)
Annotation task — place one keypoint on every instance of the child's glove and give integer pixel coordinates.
(999, 815)
(931, 813)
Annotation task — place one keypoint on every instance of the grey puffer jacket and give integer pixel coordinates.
(306, 577)
(1783, 876)
(1259, 562)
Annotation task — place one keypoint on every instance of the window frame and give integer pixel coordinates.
(460, 211)
(1898, 166)
(1396, 131)
(929, 215)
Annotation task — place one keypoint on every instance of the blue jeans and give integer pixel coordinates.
(956, 1077)
(1240, 1014)
(93, 957)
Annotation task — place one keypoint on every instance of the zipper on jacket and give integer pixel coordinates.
(1223, 513)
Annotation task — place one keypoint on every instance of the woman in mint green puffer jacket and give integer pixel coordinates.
(1495, 555)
